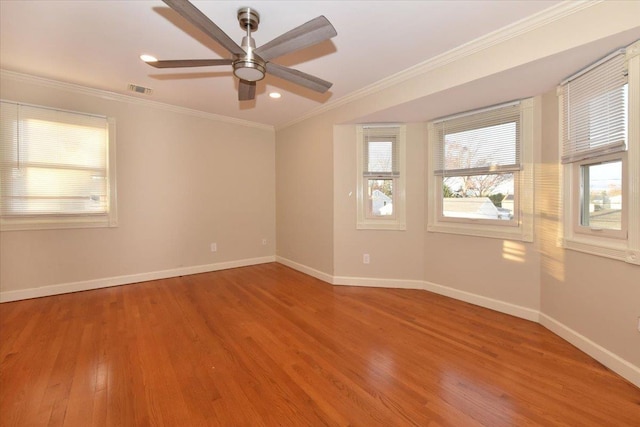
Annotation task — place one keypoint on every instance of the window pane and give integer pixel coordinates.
(601, 205)
(481, 147)
(380, 192)
(54, 162)
(65, 144)
(595, 109)
(479, 196)
(380, 156)
(56, 191)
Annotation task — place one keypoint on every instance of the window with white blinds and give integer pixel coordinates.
(381, 151)
(55, 168)
(595, 110)
(482, 174)
(381, 177)
(599, 118)
(478, 159)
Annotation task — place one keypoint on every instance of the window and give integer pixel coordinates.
(57, 168)
(599, 198)
(600, 145)
(381, 177)
(481, 172)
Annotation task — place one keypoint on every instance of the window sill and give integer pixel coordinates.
(56, 223)
(381, 225)
(619, 251)
(492, 232)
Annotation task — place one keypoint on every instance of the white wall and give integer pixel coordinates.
(184, 181)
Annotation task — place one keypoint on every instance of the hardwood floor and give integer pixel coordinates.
(269, 346)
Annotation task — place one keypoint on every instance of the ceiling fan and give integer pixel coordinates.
(250, 64)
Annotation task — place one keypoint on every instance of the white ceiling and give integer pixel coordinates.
(97, 44)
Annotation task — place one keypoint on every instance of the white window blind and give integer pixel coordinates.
(381, 157)
(482, 142)
(53, 163)
(595, 110)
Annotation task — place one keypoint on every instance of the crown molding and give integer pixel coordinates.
(112, 96)
(528, 24)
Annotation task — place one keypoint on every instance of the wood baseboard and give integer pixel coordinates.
(609, 359)
(106, 282)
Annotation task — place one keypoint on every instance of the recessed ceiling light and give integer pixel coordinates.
(275, 95)
(148, 58)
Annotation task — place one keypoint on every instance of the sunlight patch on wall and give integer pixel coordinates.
(514, 251)
(549, 221)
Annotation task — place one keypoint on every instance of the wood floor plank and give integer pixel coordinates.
(267, 346)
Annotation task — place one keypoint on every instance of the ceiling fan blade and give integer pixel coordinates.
(246, 90)
(298, 77)
(178, 63)
(315, 31)
(204, 24)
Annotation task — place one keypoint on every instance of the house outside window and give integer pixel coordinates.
(480, 169)
(57, 169)
(600, 120)
(381, 180)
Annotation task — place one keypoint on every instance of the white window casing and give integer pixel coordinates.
(507, 133)
(57, 169)
(381, 162)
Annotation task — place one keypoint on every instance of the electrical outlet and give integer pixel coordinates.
(264, 242)
(214, 247)
(366, 259)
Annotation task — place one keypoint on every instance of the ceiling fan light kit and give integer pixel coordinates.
(250, 64)
(249, 69)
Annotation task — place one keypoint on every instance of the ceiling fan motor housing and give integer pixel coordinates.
(248, 18)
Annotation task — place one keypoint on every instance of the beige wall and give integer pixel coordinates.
(304, 198)
(183, 182)
(394, 254)
(504, 270)
(592, 298)
(597, 297)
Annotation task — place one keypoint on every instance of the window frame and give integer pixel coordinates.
(20, 222)
(518, 228)
(624, 245)
(365, 219)
(579, 195)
